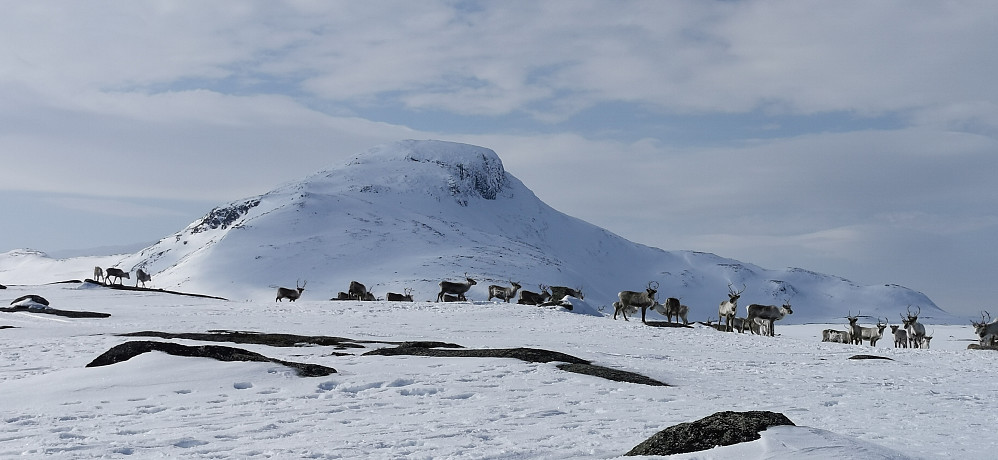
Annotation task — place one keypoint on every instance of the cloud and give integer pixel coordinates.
(532, 58)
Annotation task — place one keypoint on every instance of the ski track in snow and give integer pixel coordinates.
(936, 403)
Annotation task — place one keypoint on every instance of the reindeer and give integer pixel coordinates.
(396, 297)
(671, 308)
(836, 336)
(641, 300)
(98, 274)
(873, 334)
(737, 323)
(357, 291)
(560, 292)
(458, 289)
(987, 330)
(142, 276)
(916, 331)
(504, 293)
(291, 294)
(856, 332)
(770, 313)
(900, 336)
(683, 312)
(115, 272)
(926, 339)
(533, 298)
(729, 308)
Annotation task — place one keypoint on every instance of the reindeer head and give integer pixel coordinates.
(852, 319)
(786, 306)
(302, 287)
(910, 319)
(979, 327)
(652, 289)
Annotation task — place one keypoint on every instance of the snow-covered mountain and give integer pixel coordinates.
(412, 213)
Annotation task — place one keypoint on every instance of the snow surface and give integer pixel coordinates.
(412, 213)
(935, 403)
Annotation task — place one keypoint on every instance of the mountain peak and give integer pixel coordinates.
(467, 170)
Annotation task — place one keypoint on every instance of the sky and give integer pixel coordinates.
(851, 138)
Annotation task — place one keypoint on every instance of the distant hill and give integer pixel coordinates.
(412, 213)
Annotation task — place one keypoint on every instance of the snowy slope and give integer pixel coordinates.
(412, 213)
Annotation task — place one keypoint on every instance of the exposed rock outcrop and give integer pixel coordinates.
(720, 429)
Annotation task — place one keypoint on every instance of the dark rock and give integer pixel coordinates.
(34, 298)
(720, 429)
(56, 312)
(3, 287)
(128, 350)
(256, 338)
(223, 217)
(870, 357)
(666, 324)
(121, 287)
(611, 374)
(532, 355)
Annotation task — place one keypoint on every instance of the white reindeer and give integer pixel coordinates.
(502, 292)
(925, 341)
(729, 308)
(987, 330)
(836, 336)
(873, 334)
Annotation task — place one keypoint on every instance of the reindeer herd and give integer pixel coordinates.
(106, 276)
(759, 319)
(451, 291)
(909, 334)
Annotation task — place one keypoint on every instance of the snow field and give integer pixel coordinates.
(936, 403)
